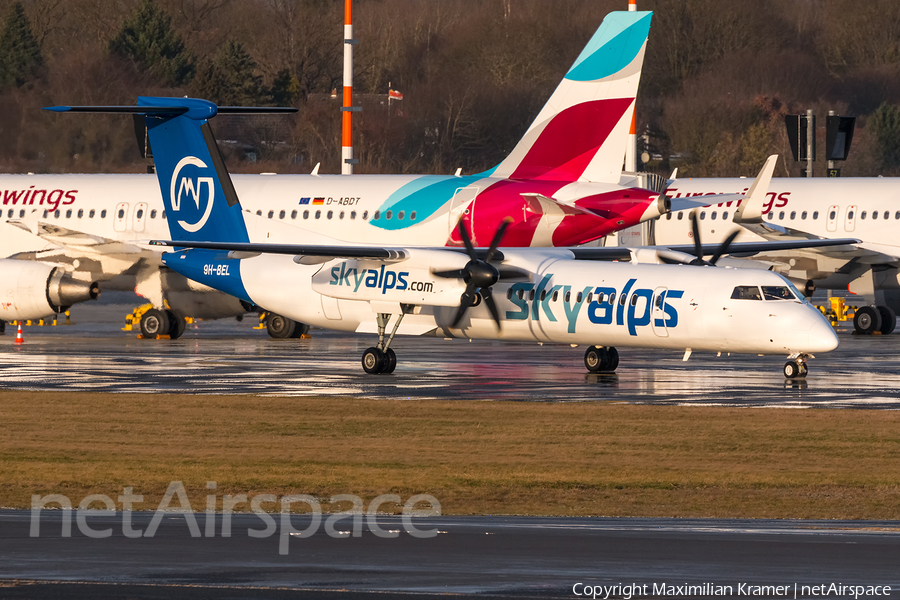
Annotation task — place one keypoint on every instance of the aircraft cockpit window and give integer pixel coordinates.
(777, 292)
(93, 212)
(746, 292)
(281, 214)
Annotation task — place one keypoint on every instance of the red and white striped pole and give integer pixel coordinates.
(347, 109)
(631, 148)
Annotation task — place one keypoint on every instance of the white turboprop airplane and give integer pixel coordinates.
(547, 295)
(561, 184)
(800, 208)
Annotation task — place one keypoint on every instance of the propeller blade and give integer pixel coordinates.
(498, 237)
(695, 228)
(453, 274)
(465, 301)
(723, 249)
(492, 306)
(467, 240)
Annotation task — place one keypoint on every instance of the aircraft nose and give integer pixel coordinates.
(822, 337)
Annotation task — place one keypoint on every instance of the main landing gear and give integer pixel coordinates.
(600, 359)
(280, 327)
(381, 358)
(156, 322)
(796, 367)
(872, 319)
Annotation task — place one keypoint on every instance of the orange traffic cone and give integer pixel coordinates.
(19, 339)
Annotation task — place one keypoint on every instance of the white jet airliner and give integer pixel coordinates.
(528, 294)
(798, 208)
(561, 184)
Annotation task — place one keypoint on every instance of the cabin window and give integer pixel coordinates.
(771, 215)
(509, 294)
(803, 215)
(777, 292)
(600, 298)
(103, 214)
(746, 292)
(365, 215)
(352, 214)
(163, 215)
(556, 295)
(9, 215)
(668, 216)
(725, 215)
(793, 215)
(330, 214)
(281, 214)
(521, 294)
(622, 299)
(47, 212)
(400, 215)
(305, 214)
(543, 295)
(318, 214)
(887, 215)
(152, 214)
(862, 215)
(56, 214)
(658, 301)
(832, 215)
(140, 214)
(531, 295)
(388, 214)
(702, 215)
(634, 298)
(412, 216)
(781, 215)
(293, 214)
(815, 215)
(341, 215)
(22, 213)
(590, 297)
(897, 215)
(578, 297)
(68, 213)
(376, 216)
(568, 297)
(874, 214)
(713, 215)
(259, 213)
(121, 213)
(680, 216)
(850, 216)
(271, 213)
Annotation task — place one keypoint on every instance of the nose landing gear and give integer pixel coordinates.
(796, 366)
(381, 358)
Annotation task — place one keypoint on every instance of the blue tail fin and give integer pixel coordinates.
(201, 204)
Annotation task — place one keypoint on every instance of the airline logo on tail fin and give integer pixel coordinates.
(192, 187)
(581, 132)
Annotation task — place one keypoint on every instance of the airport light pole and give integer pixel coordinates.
(347, 108)
(631, 147)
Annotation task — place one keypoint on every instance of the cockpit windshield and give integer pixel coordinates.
(746, 292)
(777, 292)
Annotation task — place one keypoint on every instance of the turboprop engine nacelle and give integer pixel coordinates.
(31, 290)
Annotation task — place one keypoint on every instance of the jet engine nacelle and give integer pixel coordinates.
(31, 290)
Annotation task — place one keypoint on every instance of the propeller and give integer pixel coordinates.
(479, 275)
(679, 258)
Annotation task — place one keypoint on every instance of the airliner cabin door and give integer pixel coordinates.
(658, 312)
(120, 217)
(140, 216)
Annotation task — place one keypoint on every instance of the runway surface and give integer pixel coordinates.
(501, 556)
(227, 357)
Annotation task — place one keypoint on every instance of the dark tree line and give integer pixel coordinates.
(718, 78)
